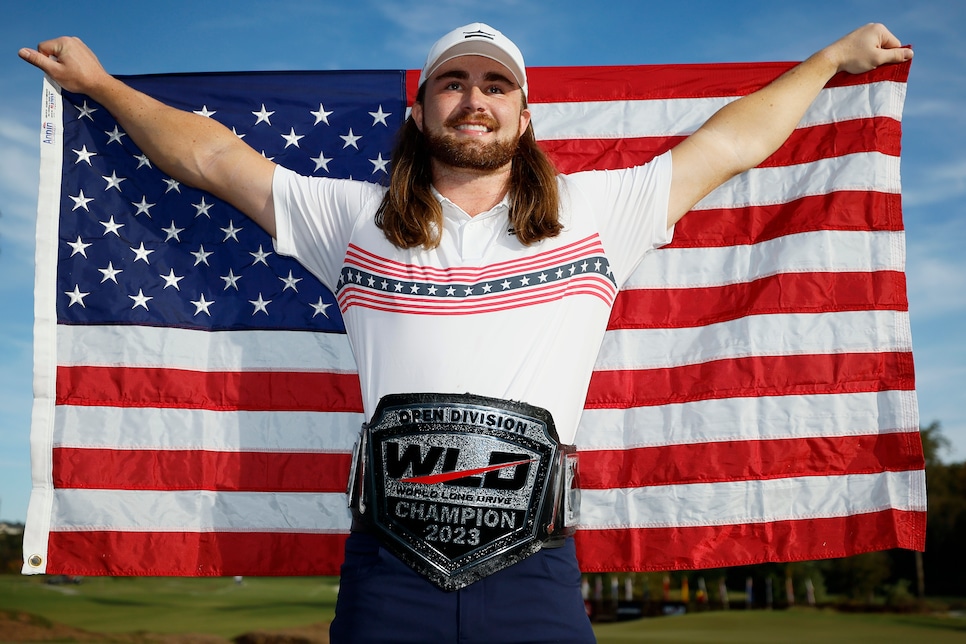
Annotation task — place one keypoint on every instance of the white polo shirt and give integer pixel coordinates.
(482, 313)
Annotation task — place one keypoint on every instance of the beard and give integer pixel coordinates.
(469, 154)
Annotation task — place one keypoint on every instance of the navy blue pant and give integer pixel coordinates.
(383, 600)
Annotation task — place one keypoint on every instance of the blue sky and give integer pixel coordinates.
(220, 35)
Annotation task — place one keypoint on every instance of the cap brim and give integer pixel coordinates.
(477, 48)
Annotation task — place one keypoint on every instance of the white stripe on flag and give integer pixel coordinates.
(257, 431)
(868, 171)
(198, 511)
(681, 116)
(174, 348)
(742, 419)
(756, 335)
(820, 251)
(758, 501)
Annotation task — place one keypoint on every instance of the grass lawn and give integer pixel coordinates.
(219, 606)
(788, 627)
(215, 605)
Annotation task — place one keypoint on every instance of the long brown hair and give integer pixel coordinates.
(410, 215)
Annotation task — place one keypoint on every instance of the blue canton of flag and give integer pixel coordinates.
(137, 247)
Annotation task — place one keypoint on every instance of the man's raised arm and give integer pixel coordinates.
(195, 150)
(747, 131)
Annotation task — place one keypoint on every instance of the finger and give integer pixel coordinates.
(45, 54)
(898, 55)
(37, 59)
(886, 39)
(52, 48)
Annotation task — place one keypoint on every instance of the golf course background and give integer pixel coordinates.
(297, 609)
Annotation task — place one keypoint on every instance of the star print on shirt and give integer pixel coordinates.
(583, 270)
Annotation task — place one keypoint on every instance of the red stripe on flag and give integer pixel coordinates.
(194, 554)
(657, 82)
(637, 549)
(843, 210)
(146, 469)
(808, 144)
(574, 155)
(785, 293)
(805, 145)
(751, 459)
(689, 548)
(751, 377)
(218, 391)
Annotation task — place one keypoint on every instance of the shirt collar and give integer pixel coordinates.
(451, 209)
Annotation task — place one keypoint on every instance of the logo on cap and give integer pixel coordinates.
(479, 33)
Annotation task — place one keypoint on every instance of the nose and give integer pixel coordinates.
(473, 99)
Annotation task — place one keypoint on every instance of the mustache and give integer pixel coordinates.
(480, 119)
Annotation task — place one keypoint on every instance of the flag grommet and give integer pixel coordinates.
(35, 561)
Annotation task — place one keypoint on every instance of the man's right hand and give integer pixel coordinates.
(195, 150)
(69, 62)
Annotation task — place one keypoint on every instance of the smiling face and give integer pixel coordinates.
(472, 114)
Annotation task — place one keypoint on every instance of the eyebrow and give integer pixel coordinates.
(460, 74)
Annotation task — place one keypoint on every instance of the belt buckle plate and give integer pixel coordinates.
(458, 485)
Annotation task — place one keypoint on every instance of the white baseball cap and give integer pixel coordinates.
(476, 39)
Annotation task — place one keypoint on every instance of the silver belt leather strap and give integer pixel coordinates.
(460, 486)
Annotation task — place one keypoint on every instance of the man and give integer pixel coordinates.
(475, 292)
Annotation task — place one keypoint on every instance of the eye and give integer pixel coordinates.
(453, 85)
(495, 89)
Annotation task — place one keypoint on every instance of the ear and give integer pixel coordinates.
(417, 115)
(524, 120)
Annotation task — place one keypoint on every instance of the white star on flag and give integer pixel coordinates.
(172, 232)
(202, 208)
(140, 300)
(80, 201)
(113, 181)
(114, 136)
(379, 117)
(321, 116)
(78, 247)
(76, 296)
(263, 116)
(109, 273)
(379, 164)
(84, 155)
(143, 207)
(86, 111)
(350, 139)
(201, 304)
(172, 280)
(141, 253)
(260, 305)
(292, 138)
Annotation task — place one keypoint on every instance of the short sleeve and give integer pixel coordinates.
(630, 206)
(314, 219)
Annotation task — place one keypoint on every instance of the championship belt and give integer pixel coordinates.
(461, 486)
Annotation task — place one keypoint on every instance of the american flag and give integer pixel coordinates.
(196, 399)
